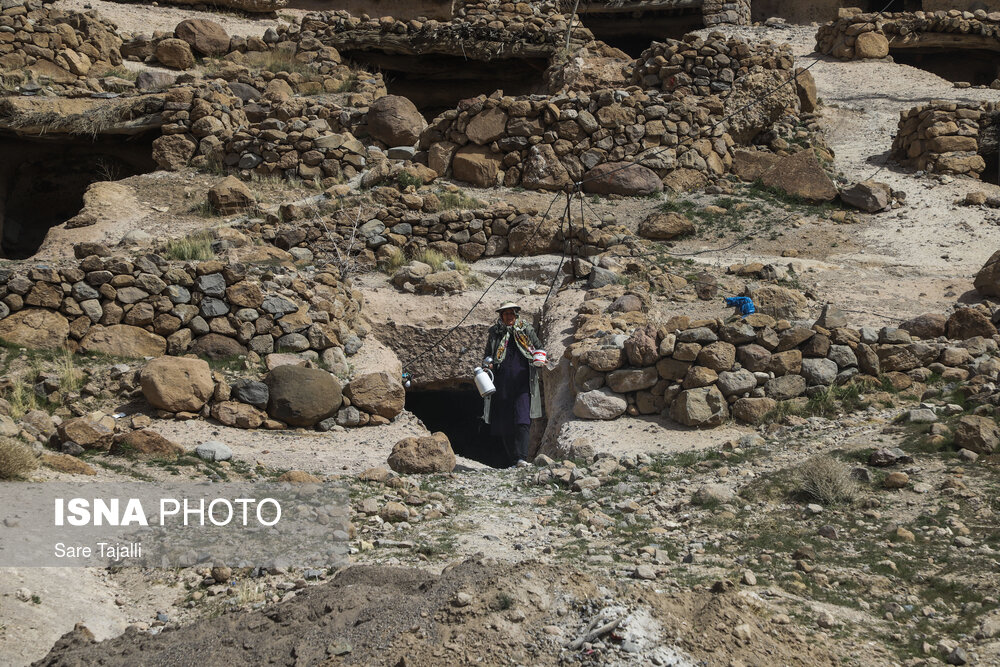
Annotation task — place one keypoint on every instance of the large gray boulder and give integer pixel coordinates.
(704, 406)
(599, 404)
(302, 396)
(395, 121)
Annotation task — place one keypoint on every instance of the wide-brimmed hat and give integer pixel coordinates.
(508, 306)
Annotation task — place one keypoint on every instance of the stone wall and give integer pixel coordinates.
(701, 373)
(549, 143)
(407, 221)
(58, 45)
(734, 12)
(151, 307)
(943, 137)
(706, 67)
(862, 36)
(479, 31)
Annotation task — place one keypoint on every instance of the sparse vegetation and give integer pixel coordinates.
(827, 481)
(458, 199)
(196, 247)
(120, 72)
(16, 459)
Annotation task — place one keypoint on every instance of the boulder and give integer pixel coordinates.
(800, 175)
(753, 410)
(123, 340)
(869, 196)
(751, 165)
(968, 323)
(977, 434)
(173, 151)
(250, 392)
(871, 45)
(778, 302)
(86, 432)
(145, 444)
(428, 454)
(632, 379)
(757, 100)
(213, 450)
(785, 387)
(599, 404)
(395, 121)
(203, 36)
(928, 325)
(486, 126)
(734, 383)
(662, 226)
(477, 165)
(641, 349)
(217, 346)
(230, 195)
(622, 178)
(177, 384)
(175, 53)
(302, 396)
(818, 371)
(987, 280)
(153, 80)
(543, 170)
(704, 406)
(718, 356)
(237, 415)
(36, 328)
(805, 86)
(377, 393)
(67, 464)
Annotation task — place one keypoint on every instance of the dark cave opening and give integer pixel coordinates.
(42, 181)
(458, 413)
(436, 83)
(976, 66)
(633, 31)
(989, 148)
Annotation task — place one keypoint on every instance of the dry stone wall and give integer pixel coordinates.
(409, 222)
(860, 36)
(480, 30)
(551, 142)
(734, 12)
(701, 373)
(59, 46)
(943, 137)
(706, 67)
(151, 307)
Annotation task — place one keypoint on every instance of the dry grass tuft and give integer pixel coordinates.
(16, 459)
(827, 480)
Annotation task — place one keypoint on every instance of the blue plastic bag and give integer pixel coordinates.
(743, 304)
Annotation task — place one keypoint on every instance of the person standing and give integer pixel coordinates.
(513, 347)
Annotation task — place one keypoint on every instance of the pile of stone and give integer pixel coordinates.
(479, 30)
(550, 143)
(943, 137)
(149, 307)
(706, 67)
(859, 36)
(701, 373)
(412, 222)
(56, 46)
(207, 125)
(289, 395)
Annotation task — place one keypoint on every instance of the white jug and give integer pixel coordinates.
(484, 381)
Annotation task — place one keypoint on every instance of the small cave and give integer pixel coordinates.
(978, 67)
(633, 31)
(435, 83)
(989, 148)
(42, 181)
(458, 413)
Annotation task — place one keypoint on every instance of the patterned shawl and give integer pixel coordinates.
(523, 344)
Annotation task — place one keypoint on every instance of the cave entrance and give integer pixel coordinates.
(458, 413)
(989, 148)
(42, 181)
(435, 83)
(633, 31)
(976, 66)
